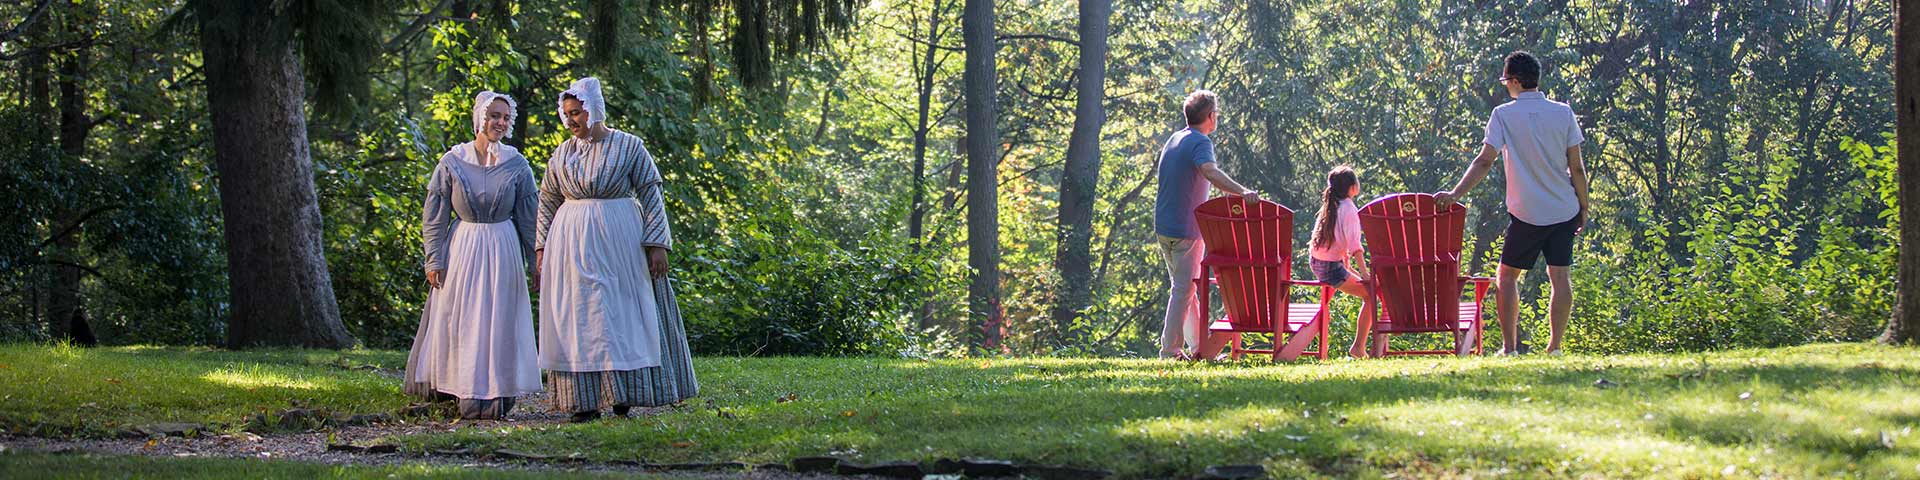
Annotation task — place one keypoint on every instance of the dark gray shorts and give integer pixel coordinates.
(1527, 242)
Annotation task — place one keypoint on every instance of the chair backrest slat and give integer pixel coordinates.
(1249, 248)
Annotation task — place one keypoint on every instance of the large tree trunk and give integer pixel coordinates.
(64, 312)
(282, 294)
(983, 198)
(1080, 180)
(1904, 327)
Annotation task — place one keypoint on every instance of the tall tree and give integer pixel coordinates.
(1080, 179)
(1904, 327)
(927, 68)
(64, 312)
(983, 192)
(256, 86)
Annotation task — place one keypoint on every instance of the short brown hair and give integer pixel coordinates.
(1199, 105)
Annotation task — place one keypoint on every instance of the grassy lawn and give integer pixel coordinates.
(37, 465)
(61, 391)
(1846, 410)
(1814, 411)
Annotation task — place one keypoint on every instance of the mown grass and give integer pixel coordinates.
(56, 390)
(1817, 411)
(1813, 411)
(83, 466)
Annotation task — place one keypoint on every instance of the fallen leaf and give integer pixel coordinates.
(682, 444)
(790, 396)
(849, 413)
(114, 381)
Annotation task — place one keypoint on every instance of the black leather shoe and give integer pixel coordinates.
(583, 417)
(621, 410)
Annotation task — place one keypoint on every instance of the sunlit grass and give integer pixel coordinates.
(1817, 411)
(60, 390)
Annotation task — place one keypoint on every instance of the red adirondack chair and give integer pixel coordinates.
(1249, 255)
(1414, 258)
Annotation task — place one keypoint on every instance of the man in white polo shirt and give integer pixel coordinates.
(1546, 193)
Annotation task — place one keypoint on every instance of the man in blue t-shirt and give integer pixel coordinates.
(1186, 167)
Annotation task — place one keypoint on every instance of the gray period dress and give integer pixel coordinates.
(476, 336)
(610, 333)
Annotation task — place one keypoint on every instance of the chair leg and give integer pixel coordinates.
(1298, 342)
(1239, 348)
(1326, 335)
(1379, 345)
(1463, 342)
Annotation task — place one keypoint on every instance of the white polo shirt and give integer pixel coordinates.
(1533, 133)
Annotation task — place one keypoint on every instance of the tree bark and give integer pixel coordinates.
(916, 217)
(983, 200)
(282, 294)
(1080, 178)
(64, 312)
(929, 65)
(1904, 327)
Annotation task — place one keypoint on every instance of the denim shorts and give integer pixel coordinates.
(1331, 273)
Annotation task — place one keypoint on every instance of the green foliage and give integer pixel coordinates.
(751, 294)
(1740, 284)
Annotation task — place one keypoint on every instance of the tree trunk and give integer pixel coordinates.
(1904, 327)
(282, 294)
(929, 64)
(38, 85)
(916, 217)
(1080, 179)
(983, 199)
(64, 311)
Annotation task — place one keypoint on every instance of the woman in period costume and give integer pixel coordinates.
(475, 341)
(610, 329)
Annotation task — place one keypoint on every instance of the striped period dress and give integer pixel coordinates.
(610, 333)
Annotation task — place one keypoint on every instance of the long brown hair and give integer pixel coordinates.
(1339, 181)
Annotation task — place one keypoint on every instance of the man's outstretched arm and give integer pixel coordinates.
(1220, 180)
(1475, 173)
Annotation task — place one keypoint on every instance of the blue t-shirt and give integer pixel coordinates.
(1182, 188)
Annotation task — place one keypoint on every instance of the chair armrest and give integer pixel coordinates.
(1480, 286)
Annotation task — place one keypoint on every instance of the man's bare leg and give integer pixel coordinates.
(1507, 295)
(1560, 306)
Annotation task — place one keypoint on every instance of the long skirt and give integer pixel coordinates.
(476, 339)
(610, 334)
